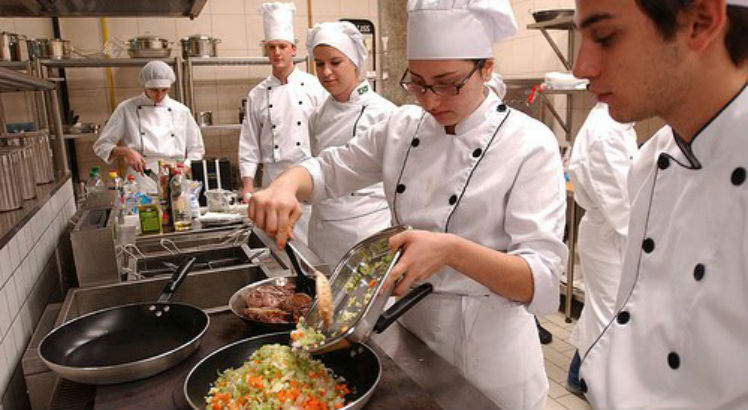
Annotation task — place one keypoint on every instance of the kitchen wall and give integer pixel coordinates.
(28, 272)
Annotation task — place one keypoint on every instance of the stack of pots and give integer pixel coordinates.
(12, 46)
(199, 45)
(43, 168)
(24, 177)
(10, 191)
(55, 48)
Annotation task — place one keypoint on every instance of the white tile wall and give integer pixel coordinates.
(23, 259)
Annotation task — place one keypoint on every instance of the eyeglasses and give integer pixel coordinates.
(440, 90)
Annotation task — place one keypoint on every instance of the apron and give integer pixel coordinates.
(157, 142)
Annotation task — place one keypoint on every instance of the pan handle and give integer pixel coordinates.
(176, 279)
(403, 305)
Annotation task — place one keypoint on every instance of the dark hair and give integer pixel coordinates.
(664, 13)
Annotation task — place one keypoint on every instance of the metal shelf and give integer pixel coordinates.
(219, 61)
(221, 127)
(11, 81)
(15, 65)
(104, 62)
(561, 23)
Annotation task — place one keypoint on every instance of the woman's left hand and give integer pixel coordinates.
(424, 253)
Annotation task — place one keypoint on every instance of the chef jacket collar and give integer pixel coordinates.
(145, 100)
(476, 118)
(717, 139)
(294, 77)
(360, 91)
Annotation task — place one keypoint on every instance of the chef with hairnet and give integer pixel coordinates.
(350, 110)
(150, 126)
(275, 131)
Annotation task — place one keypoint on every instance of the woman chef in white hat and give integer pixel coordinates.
(483, 188)
(351, 108)
(150, 126)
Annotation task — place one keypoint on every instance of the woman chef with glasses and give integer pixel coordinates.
(483, 188)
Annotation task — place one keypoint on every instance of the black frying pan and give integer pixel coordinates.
(358, 364)
(127, 342)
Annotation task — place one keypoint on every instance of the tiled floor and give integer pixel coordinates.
(558, 355)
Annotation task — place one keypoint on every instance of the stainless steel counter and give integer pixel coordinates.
(12, 221)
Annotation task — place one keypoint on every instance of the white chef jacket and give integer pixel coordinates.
(337, 224)
(680, 336)
(600, 160)
(498, 182)
(157, 131)
(275, 131)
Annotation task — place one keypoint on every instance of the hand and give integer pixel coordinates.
(132, 158)
(275, 210)
(424, 254)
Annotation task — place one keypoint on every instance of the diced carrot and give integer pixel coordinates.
(373, 283)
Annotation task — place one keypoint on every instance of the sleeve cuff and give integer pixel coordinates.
(314, 169)
(247, 170)
(545, 284)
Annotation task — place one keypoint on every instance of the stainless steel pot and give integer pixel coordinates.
(10, 191)
(205, 118)
(35, 48)
(149, 47)
(25, 172)
(199, 45)
(56, 48)
(12, 46)
(42, 151)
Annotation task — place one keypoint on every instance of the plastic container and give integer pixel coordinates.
(181, 212)
(150, 219)
(95, 188)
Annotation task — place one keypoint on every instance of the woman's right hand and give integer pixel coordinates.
(275, 210)
(132, 158)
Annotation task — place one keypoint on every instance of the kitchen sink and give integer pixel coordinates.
(207, 259)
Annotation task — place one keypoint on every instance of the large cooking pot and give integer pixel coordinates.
(128, 342)
(34, 48)
(10, 191)
(12, 46)
(358, 364)
(55, 48)
(199, 45)
(149, 47)
(39, 141)
(25, 172)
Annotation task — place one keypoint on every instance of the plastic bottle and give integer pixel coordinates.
(95, 187)
(180, 202)
(131, 190)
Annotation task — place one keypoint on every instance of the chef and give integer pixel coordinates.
(598, 166)
(483, 188)
(679, 338)
(275, 131)
(351, 108)
(150, 127)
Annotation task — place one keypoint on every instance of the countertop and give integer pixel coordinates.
(12, 221)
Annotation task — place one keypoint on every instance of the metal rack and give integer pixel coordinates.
(564, 23)
(189, 85)
(11, 81)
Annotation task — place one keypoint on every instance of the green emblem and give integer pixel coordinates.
(363, 89)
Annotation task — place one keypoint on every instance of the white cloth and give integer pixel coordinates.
(156, 74)
(163, 131)
(497, 85)
(683, 341)
(277, 21)
(339, 34)
(498, 182)
(454, 29)
(600, 160)
(275, 131)
(740, 3)
(337, 224)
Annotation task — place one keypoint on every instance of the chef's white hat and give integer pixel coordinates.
(277, 21)
(741, 3)
(456, 29)
(339, 34)
(156, 74)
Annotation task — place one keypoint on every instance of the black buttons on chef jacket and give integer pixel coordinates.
(453, 199)
(663, 162)
(477, 152)
(298, 122)
(648, 245)
(738, 176)
(400, 188)
(623, 317)
(172, 135)
(501, 108)
(169, 109)
(583, 385)
(299, 102)
(273, 126)
(415, 142)
(276, 147)
(270, 88)
(142, 133)
(298, 144)
(673, 360)
(302, 84)
(270, 106)
(698, 272)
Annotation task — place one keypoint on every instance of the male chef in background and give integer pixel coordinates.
(679, 337)
(275, 131)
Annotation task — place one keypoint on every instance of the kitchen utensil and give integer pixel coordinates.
(358, 364)
(149, 47)
(10, 191)
(220, 200)
(55, 48)
(547, 15)
(237, 304)
(198, 45)
(304, 284)
(356, 284)
(128, 342)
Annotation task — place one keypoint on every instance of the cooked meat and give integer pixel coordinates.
(267, 315)
(270, 296)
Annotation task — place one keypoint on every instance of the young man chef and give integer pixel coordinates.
(483, 188)
(275, 131)
(150, 126)
(679, 338)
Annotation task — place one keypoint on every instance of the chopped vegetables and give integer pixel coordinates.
(275, 377)
(305, 337)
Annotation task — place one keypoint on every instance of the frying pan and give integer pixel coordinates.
(128, 342)
(358, 364)
(237, 304)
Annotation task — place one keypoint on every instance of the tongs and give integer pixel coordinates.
(304, 284)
